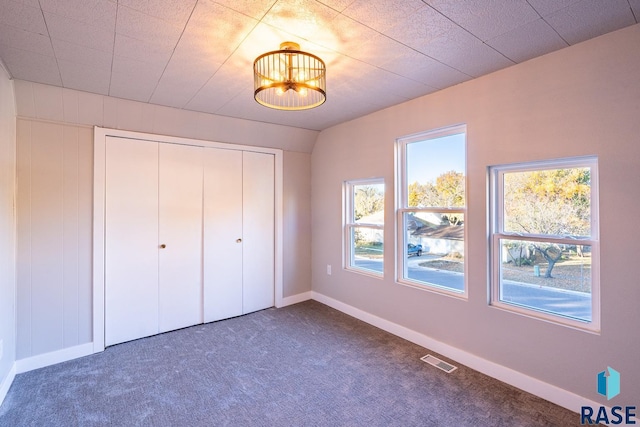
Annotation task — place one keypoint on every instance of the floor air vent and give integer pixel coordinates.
(440, 364)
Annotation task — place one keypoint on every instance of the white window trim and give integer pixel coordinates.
(496, 233)
(349, 224)
(401, 200)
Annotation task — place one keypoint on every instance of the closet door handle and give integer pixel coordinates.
(238, 240)
(162, 246)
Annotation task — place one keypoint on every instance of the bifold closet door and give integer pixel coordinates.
(258, 231)
(153, 238)
(180, 236)
(238, 233)
(222, 234)
(131, 240)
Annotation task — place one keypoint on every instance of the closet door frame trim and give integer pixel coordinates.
(99, 205)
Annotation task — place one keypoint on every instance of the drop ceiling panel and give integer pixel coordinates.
(97, 13)
(149, 50)
(23, 16)
(589, 18)
(78, 54)
(382, 14)
(489, 18)
(141, 26)
(84, 77)
(31, 66)
(70, 30)
(198, 54)
(174, 11)
(529, 41)
(11, 37)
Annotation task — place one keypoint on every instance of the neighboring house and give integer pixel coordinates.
(436, 235)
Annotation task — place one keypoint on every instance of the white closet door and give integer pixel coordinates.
(131, 240)
(258, 231)
(223, 243)
(180, 236)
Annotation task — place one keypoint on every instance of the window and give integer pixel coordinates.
(364, 226)
(544, 240)
(431, 210)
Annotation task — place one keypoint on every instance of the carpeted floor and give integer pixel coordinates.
(302, 365)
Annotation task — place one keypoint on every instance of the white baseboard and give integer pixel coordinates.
(295, 299)
(560, 397)
(6, 383)
(59, 356)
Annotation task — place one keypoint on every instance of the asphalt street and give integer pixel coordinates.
(569, 303)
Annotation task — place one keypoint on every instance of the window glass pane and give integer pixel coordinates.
(555, 202)
(434, 252)
(548, 277)
(435, 172)
(368, 204)
(368, 245)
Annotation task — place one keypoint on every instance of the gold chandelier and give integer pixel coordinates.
(289, 79)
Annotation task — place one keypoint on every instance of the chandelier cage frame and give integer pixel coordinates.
(289, 79)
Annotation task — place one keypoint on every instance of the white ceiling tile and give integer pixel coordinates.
(182, 79)
(221, 88)
(302, 18)
(547, 7)
(464, 52)
(487, 19)
(346, 36)
(381, 14)
(132, 86)
(211, 23)
(32, 3)
(420, 27)
(150, 51)
(176, 11)
(98, 13)
(137, 68)
(528, 41)
(78, 54)
(635, 6)
(253, 8)
(591, 18)
(84, 77)
(24, 40)
(338, 5)
(31, 66)
(141, 26)
(23, 16)
(419, 67)
(77, 32)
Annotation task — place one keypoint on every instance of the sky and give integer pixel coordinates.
(426, 160)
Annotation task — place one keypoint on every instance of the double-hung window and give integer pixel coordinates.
(364, 226)
(431, 207)
(544, 240)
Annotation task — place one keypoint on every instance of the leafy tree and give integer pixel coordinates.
(447, 191)
(368, 199)
(548, 202)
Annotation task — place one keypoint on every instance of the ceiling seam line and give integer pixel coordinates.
(173, 51)
(55, 57)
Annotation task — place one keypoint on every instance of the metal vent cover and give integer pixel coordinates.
(440, 364)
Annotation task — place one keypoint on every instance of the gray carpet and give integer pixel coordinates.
(303, 365)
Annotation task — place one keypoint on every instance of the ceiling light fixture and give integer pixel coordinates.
(289, 79)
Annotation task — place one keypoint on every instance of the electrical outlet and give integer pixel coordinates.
(329, 269)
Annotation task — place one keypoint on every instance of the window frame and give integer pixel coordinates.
(402, 207)
(497, 233)
(350, 223)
